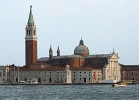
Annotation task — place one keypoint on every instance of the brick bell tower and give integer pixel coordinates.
(30, 41)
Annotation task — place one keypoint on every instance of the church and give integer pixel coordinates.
(81, 67)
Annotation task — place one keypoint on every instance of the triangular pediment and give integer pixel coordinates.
(114, 56)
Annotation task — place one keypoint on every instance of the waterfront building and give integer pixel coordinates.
(130, 73)
(4, 74)
(57, 75)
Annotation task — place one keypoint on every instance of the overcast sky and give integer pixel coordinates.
(103, 25)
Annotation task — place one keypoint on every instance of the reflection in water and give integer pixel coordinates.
(68, 92)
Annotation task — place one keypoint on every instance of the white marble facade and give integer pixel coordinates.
(112, 70)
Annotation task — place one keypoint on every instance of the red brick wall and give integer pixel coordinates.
(31, 52)
(130, 74)
(74, 62)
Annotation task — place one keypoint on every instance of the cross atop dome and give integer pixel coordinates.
(81, 42)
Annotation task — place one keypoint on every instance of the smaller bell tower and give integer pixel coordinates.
(50, 55)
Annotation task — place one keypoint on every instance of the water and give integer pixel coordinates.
(68, 92)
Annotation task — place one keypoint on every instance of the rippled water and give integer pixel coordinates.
(68, 92)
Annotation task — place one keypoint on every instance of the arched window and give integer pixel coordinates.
(34, 32)
(29, 32)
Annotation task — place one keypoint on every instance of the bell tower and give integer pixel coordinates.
(30, 41)
(58, 51)
(50, 55)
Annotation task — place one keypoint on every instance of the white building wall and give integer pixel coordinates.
(46, 77)
(81, 76)
(55, 77)
(86, 76)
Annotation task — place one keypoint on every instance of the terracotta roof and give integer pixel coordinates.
(66, 56)
(43, 59)
(99, 56)
(82, 69)
(39, 69)
(130, 66)
(58, 57)
(52, 69)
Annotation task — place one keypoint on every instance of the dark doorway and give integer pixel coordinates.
(84, 80)
(39, 80)
(25, 79)
(16, 79)
(50, 80)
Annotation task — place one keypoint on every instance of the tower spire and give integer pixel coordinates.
(31, 27)
(58, 51)
(31, 19)
(50, 55)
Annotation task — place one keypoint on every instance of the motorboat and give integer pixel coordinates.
(119, 84)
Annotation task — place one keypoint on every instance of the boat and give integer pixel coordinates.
(33, 81)
(119, 84)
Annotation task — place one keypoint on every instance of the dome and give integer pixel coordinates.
(81, 49)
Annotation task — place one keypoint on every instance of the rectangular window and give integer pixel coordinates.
(3, 74)
(132, 73)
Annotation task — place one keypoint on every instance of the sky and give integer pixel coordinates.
(102, 24)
